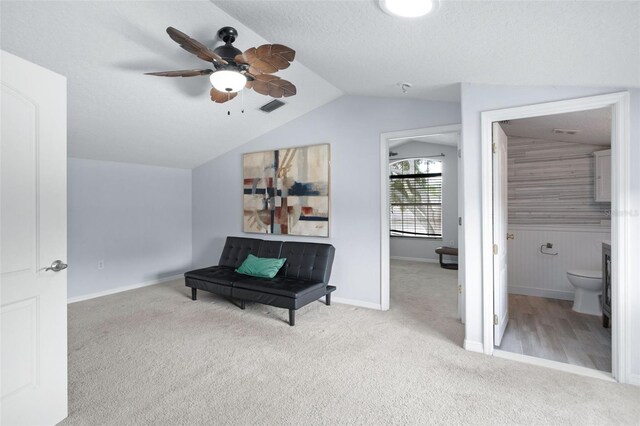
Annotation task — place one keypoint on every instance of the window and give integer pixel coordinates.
(415, 192)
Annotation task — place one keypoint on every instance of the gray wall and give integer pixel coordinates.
(423, 248)
(135, 218)
(476, 98)
(352, 125)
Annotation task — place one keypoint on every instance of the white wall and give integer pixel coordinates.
(352, 125)
(423, 248)
(476, 98)
(536, 274)
(135, 218)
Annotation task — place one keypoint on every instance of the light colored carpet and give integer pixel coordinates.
(153, 356)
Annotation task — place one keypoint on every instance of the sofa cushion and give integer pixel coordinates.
(262, 267)
(307, 261)
(223, 275)
(280, 285)
(223, 290)
(269, 249)
(236, 250)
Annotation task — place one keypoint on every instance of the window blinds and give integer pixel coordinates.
(416, 204)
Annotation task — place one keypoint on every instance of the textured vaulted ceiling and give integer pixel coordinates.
(116, 113)
(361, 50)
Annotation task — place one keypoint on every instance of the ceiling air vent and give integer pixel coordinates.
(271, 106)
(565, 131)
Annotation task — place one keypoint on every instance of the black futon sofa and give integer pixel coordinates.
(302, 279)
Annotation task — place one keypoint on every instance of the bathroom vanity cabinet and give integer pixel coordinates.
(606, 284)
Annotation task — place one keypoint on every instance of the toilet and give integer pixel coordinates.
(588, 285)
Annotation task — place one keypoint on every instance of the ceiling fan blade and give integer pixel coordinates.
(265, 53)
(181, 73)
(274, 86)
(222, 97)
(268, 58)
(194, 46)
(283, 51)
(239, 59)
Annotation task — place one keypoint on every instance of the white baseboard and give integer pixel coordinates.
(415, 259)
(634, 379)
(561, 366)
(357, 303)
(472, 346)
(540, 292)
(123, 288)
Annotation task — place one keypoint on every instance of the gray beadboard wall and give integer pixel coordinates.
(552, 183)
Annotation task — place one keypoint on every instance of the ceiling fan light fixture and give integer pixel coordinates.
(228, 81)
(408, 8)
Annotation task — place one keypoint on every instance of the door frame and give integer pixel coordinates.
(385, 138)
(620, 223)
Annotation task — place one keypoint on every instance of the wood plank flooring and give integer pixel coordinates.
(550, 329)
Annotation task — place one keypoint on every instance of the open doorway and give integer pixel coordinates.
(496, 237)
(558, 230)
(420, 180)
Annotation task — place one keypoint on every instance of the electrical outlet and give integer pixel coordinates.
(549, 245)
(100, 264)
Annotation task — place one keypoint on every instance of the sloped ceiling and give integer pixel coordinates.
(114, 111)
(362, 50)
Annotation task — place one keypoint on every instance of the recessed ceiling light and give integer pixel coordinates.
(408, 8)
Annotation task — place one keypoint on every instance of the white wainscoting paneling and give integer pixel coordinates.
(536, 274)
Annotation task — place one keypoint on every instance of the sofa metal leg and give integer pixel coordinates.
(292, 317)
(194, 294)
(242, 306)
(327, 299)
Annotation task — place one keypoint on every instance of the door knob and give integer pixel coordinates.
(510, 236)
(57, 266)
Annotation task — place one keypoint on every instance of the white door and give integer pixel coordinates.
(500, 287)
(33, 229)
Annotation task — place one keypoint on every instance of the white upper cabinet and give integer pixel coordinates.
(602, 176)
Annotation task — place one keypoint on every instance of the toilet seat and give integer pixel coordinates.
(586, 273)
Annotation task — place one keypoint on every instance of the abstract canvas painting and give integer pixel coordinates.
(286, 191)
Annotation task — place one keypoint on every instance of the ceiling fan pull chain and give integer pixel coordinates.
(242, 100)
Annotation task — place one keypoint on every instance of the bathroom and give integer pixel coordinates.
(559, 230)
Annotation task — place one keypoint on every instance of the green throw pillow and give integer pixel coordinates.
(262, 267)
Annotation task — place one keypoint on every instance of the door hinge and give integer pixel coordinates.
(459, 153)
(495, 249)
(495, 319)
(460, 221)
(493, 147)
(459, 288)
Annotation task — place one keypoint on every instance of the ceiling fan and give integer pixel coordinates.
(235, 70)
